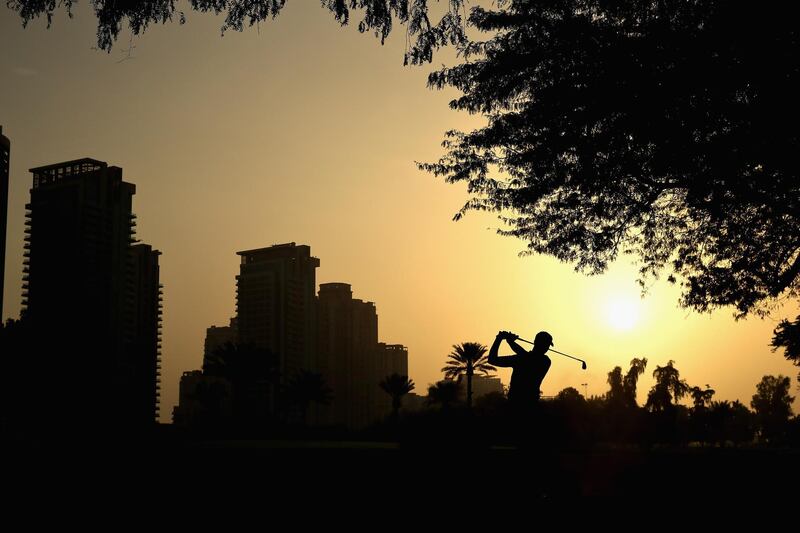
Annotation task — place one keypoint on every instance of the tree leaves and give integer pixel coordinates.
(660, 130)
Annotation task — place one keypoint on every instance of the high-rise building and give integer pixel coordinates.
(5, 159)
(275, 304)
(352, 360)
(143, 355)
(91, 297)
(347, 338)
(388, 359)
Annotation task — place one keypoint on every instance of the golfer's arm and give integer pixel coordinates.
(496, 360)
(519, 350)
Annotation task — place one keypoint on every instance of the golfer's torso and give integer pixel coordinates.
(526, 379)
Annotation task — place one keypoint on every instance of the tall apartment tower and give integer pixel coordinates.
(91, 297)
(275, 303)
(389, 359)
(144, 353)
(347, 337)
(5, 158)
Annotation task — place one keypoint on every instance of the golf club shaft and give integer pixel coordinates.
(552, 350)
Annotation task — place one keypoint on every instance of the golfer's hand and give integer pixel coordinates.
(507, 335)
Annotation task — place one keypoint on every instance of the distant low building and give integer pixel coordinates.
(202, 400)
(481, 386)
(389, 359)
(218, 336)
(413, 402)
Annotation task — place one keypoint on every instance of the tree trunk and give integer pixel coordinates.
(469, 389)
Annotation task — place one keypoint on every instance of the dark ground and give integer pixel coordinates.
(315, 470)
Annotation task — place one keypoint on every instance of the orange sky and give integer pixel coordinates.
(307, 132)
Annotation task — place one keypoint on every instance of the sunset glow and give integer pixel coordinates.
(622, 313)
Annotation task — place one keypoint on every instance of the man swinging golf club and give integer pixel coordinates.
(530, 368)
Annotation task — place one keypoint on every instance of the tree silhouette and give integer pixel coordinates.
(616, 392)
(632, 379)
(466, 359)
(660, 129)
(701, 397)
(621, 413)
(570, 395)
(444, 393)
(307, 387)
(787, 336)
(622, 391)
(253, 375)
(773, 407)
(378, 17)
(730, 422)
(668, 386)
(700, 418)
(396, 386)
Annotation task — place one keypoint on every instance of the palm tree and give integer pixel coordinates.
(396, 386)
(467, 358)
(444, 392)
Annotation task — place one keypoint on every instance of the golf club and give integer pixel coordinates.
(583, 366)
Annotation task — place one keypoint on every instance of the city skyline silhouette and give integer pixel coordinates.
(287, 165)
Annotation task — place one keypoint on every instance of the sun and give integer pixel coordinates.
(622, 313)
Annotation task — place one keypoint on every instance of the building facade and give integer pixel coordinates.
(219, 336)
(352, 360)
(275, 304)
(91, 297)
(389, 359)
(143, 355)
(5, 161)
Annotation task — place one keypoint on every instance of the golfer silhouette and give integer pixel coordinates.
(530, 368)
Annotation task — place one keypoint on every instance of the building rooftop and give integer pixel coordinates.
(273, 248)
(59, 171)
(87, 162)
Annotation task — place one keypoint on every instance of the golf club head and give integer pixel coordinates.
(583, 366)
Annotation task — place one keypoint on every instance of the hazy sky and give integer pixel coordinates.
(308, 132)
